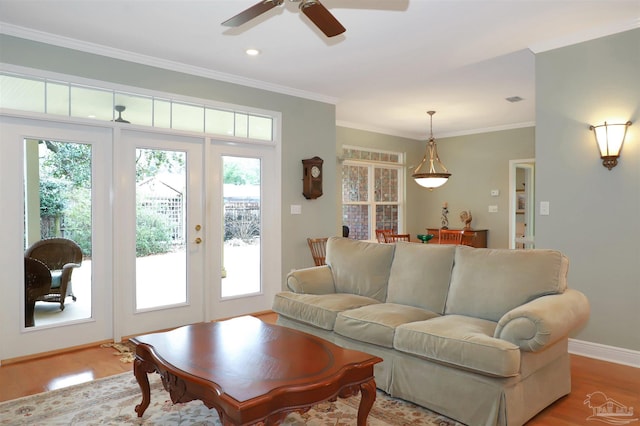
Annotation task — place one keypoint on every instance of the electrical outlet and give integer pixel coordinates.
(495, 192)
(296, 209)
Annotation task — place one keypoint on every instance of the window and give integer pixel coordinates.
(28, 93)
(372, 192)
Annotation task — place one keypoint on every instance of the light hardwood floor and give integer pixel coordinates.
(618, 382)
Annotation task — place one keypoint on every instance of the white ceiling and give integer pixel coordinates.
(397, 59)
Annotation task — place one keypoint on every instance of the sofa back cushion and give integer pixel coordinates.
(359, 267)
(420, 275)
(487, 283)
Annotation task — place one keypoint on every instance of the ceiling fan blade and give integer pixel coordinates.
(253, 12)
(322, 18)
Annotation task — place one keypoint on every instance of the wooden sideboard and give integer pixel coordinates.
(472, 237)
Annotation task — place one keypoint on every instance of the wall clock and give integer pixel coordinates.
(312, 178)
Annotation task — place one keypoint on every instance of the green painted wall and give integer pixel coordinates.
(594, 212)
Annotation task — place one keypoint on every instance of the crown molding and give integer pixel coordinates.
(70, 43)
(381, 130)
(488, 129)
(421, 137)
(583, 36)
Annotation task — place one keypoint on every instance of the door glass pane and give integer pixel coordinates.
(57, 231)
(161, 258)
(242, 218)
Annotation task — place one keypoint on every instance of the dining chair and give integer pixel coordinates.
(450, 236)
(392, 238)
(318, 250)
(380, 233)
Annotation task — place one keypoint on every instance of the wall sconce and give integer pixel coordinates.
(432, 178)
(610, 138)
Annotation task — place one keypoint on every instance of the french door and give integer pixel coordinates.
(161, 231)
(47, 192)
(244, 238)
(171, 234)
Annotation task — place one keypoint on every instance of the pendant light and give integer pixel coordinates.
(432, 178)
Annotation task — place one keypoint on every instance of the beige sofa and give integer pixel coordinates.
(478, 335)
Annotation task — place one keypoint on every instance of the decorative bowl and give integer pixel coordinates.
(425, 238)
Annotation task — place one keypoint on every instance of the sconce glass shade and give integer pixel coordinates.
(432, 178)
(610, 138)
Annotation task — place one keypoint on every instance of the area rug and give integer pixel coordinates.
(111, 401)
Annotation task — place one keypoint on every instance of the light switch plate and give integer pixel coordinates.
(544, 208)
(296, 209)
(493, 209)
(495, 192)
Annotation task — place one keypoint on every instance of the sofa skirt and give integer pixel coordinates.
(465, 396)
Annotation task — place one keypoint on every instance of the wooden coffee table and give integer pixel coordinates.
(251, 371)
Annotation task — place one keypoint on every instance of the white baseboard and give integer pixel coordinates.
(605, 352)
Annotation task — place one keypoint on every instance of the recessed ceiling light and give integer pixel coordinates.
(252, 52)
(514, 99)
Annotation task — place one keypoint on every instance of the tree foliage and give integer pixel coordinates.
(240, 171)
(151, 162)
(70, 162)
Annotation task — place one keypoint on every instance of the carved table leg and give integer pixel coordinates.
(140, 372)
(367, 398)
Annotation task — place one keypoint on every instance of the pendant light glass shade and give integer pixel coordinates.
(432, 178)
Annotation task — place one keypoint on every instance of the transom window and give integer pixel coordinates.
(372, 191)
(43, 95)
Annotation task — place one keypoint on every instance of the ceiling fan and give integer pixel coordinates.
(313, 9)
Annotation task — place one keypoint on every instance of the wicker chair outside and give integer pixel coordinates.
(37, 283)
(61, 256)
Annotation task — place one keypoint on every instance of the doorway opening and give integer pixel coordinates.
(521, 203)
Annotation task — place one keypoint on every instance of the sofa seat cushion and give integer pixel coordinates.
(319, 310)
(376, 324)
(462, 341)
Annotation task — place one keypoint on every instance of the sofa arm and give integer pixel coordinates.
(315, 280)
(544, 320)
